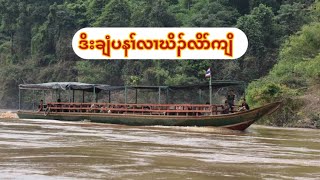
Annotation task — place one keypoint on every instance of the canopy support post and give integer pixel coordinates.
(136, 96)
(125, 94)
(33, 103)
(244, 92)
(72, 95)
(69, 95)
(167, 94)
(19, 99)
(200, 96)
(44, 96)
(210, 90)
(82, 96)
(94, 93)
(109, 93)
(159, 96)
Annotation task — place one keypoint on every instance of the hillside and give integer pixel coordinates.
(295, 79)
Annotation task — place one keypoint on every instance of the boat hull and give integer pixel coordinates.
(235, 121)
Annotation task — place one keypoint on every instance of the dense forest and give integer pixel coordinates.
(282, 61)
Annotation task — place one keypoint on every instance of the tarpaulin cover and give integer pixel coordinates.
(105, 87)
(63, 86)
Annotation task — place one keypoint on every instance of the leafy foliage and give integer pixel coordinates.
(293, 77)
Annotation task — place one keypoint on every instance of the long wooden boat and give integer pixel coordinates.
(151, 114)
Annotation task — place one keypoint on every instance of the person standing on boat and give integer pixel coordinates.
(40, 108)
(231, 98)
(59, 105)
(225, 107)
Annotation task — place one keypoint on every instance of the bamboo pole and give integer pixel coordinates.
(136, 96)
(125, 94)
(159, 97)
(19, 99)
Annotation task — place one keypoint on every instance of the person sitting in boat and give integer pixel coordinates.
(225, 107)
(103, 109)
(40, 107)
(190, 113)
(231, 96)
(244, 106)
(92, 107)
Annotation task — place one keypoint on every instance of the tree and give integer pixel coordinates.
(95, 9)
(260, 28)
(212, 14)
(23, 33)
(160, 17)
(243, 6)
(9, 15)
(274, 4)
(291, 17)
(293, 80)
(115, 14)
(265, 17)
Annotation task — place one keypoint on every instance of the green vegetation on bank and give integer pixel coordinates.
(35, 46)
(295, 79)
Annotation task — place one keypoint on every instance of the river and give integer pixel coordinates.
(42, 149)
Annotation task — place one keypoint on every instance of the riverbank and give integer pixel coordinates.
(293, 80)
(297, 112)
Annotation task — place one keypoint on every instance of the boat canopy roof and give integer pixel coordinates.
(105, 87)
(62, 86)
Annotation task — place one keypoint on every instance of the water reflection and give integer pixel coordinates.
(38, 149)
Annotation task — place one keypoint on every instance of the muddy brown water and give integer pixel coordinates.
(43, 149)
